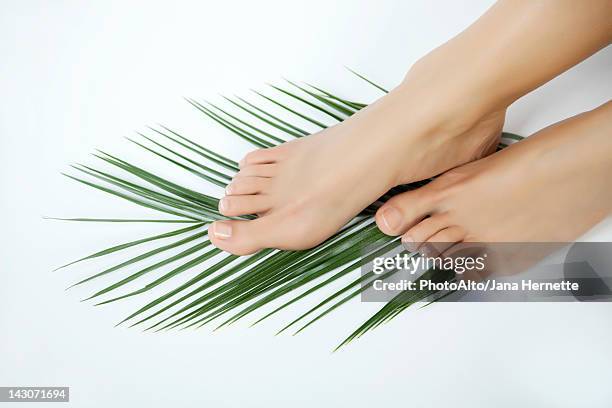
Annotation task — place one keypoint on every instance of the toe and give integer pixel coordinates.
(257, 170)
(422, 231)
(404, 210)
(247, 185)
(261, 156)
(235, 205)
(442, 240)
(237, 237)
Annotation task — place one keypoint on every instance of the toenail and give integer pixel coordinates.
(392, 218)
(222, 230)
(223, 205)
(228, 189)
(409, 243)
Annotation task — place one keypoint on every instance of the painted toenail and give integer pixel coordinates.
(222, 230)
(409, 243)
(223, 205)
(392, 218)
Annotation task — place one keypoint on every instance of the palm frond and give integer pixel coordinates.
(234, 287)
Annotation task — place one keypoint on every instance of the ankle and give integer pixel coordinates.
(433, 110)
(453, 96)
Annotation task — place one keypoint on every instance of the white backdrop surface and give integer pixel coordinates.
(80, 75)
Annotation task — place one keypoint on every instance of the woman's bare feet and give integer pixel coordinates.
(551, 187)
(306, 190)
(449, 111)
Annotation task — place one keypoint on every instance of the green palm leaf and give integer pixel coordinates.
(233, 287)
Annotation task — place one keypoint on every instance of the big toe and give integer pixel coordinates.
(239, 237)
(404, 210)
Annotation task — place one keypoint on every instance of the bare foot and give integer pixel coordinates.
(551, 187)
(306, 190)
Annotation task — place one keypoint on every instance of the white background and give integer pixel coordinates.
(79, 75)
